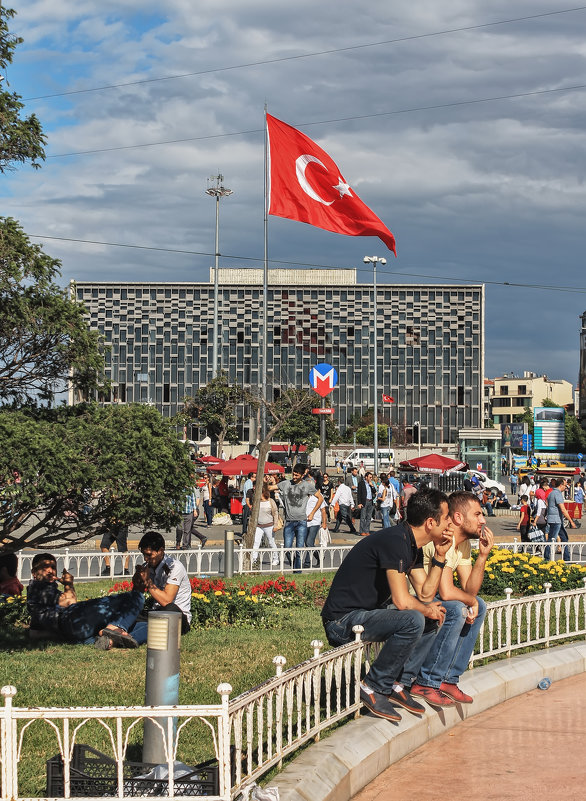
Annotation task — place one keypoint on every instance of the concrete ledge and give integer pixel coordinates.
(336, 768)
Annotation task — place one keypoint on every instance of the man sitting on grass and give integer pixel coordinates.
(166, 581)
(102, 621)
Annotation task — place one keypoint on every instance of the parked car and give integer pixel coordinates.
(489, 483)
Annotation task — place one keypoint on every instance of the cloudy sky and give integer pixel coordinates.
(459, 123)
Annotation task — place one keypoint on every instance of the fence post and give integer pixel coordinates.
(317, 645)
(547, 615)
(66, 560)
(224, 743)
(228, 554)
(8, 745)
(279, 662)
(509, 619)
(515, 541)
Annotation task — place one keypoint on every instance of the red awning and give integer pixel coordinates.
(242, 465)
(432, 463)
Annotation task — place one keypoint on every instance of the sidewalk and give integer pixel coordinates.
(529, 747)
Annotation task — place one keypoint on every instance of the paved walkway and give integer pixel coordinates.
(527, 748)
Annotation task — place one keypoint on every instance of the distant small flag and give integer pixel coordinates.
(388, 399)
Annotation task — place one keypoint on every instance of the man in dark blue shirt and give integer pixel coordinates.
(371, 589)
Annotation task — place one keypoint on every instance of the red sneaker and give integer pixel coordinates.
(432, 695)
(455, 693)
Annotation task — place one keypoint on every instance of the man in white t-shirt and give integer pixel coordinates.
(166, 581)
(436, 670)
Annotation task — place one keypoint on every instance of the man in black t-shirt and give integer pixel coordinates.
(370, 589)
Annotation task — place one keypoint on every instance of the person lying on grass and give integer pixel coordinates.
(102, 621)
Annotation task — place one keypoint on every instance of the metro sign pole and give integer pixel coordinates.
(323, 378)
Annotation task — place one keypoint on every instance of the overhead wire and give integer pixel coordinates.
(313, 266)
(297, 57)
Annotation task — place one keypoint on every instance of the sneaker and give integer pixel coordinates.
(105, 571)
(455, 693)
(203, 542)
(378, 704)
(432, 695)
(404, 698)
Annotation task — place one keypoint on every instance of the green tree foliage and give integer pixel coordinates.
(44, 337)
(21, 138)
(128, 456)
(214, 408)
(365, 436)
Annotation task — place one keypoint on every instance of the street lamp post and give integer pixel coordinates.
(374, 260)
(216, 190)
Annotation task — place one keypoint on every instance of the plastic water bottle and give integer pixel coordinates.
(544, 684)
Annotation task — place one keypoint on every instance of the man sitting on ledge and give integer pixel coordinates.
(434, 668)
(102, 621)
(370, 589)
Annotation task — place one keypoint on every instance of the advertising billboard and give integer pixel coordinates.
(512, 435)
(549, 428)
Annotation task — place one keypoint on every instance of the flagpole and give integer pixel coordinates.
(374, 261)
(265, 281)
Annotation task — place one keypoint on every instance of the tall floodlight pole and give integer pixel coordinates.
(216, 189)
(374, 260)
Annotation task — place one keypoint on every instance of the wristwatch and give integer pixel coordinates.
(437, 563)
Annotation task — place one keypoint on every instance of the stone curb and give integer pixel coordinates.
(338, 767)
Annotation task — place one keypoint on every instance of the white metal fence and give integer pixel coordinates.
(254, 732)
(91, 565)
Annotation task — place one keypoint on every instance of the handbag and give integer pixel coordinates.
(325, 537)
(535, 535)
(279, 524)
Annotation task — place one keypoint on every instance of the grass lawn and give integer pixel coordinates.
(64, 675)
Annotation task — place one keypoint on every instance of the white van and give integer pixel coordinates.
(386, 458)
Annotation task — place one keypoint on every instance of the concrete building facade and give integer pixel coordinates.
(429, 343)
(582, 379)
(513, 393)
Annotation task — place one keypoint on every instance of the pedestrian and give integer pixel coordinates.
(186, 528)
(556, 515)
(365, 496)
(388, 501)
(344, 502)
(294, 493)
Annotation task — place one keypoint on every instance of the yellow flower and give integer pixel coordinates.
(491, 575)
(10, 600)
(241, 592)
(564, 579)
(218, 592)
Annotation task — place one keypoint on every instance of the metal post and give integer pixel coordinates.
(374, 261)
(228, 554)
(322, 435)
(216, 190)
(161, 681)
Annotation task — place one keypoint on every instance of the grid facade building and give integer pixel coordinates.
(429, 343)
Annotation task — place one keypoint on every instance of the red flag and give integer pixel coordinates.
(388, 399)
(306, 185)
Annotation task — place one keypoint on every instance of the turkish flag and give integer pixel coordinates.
(387, 399)
(307, 185)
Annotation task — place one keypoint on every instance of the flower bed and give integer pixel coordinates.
(526, 574)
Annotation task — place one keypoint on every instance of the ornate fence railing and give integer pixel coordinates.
(91, 565)
(254, 732)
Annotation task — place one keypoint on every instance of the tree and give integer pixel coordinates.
(301, 427)
(214, 408)
(291, 402)
(67, 474)
(365, 436)
(44, 336)
(21, 138)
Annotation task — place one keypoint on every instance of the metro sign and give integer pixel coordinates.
(323, 378)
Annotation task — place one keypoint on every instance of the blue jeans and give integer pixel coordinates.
(450, 650)
(398, 630)
(556, 530)
(82, 621)
(386, 513)
(312, 532)
(209, 512)
(295, 529)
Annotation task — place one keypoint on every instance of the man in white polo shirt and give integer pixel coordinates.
(166, 581)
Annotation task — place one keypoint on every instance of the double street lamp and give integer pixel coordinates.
(216, 190)
(374, 260)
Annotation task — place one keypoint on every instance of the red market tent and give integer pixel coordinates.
(242, 465)
(209, 460)
(432, 463)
